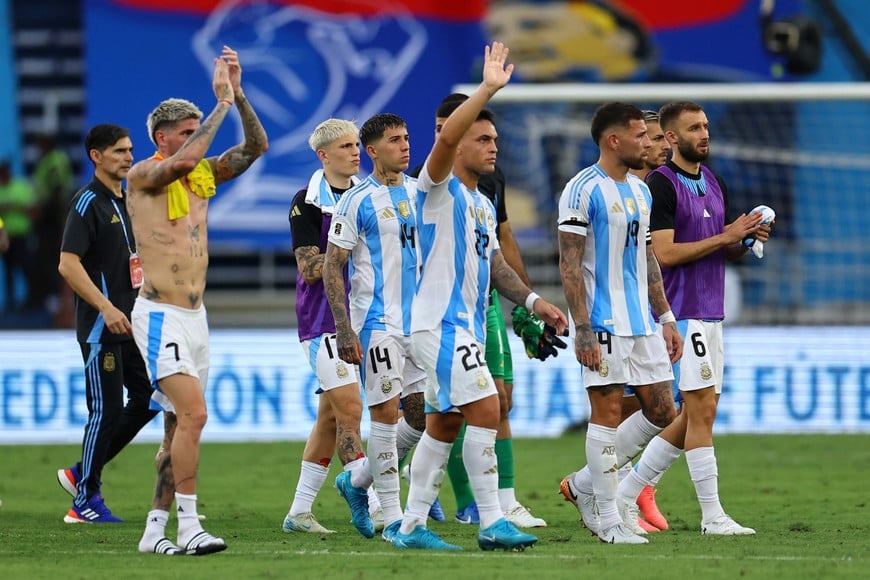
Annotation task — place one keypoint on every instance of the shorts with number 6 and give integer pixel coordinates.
(454, 363)
(172, 340)
(703, 362)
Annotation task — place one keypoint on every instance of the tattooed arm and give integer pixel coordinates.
(659, 302)
(509, 284)
(571, 250)
(309, 260)
(349, 346)
(236, 160)
(151, 176)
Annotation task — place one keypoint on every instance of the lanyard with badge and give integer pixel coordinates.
(137, 275)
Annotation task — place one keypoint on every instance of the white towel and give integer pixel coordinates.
(767, 217)
(320, 194)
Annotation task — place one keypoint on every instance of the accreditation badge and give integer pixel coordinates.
(137, 275)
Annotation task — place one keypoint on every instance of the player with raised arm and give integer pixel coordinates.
(611, 278)
(539, 340)
(375, 228)
(460, 256)
(168, 204)
(692, 240)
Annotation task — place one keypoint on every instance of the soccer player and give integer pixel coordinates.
(653, 520)
(692, 240)
(168, 204)
(375, 228)
(498, 359)
(611, 278)
(336, 143)
(98, 260)
(460, 256)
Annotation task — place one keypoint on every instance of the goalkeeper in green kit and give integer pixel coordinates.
(540, 342)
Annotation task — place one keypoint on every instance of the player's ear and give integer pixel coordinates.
(95, 156)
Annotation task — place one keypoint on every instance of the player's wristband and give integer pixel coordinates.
(530, 301)
(667, 317)
(227, 101)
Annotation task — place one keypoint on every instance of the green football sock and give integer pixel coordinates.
(458, 476)
(504, 452)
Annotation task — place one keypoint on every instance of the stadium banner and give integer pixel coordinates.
(779, 380)
(303, 61)
(306, 60)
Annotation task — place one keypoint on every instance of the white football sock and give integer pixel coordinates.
(481, 464)
(601, 457)
(155, 530)
(360, 475)
(705, 475)
(658, 456)
(632, 435)
(188, 520)
(406, 437)
(311, 478)
(507, 497)
(427, 473)
(384, 466)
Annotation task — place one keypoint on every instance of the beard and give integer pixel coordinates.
(637, 164)
(689, 153)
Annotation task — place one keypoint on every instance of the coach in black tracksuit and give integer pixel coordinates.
(98, 259)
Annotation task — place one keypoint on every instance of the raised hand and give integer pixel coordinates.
(231, 57)
(495, 73)
(221, 81)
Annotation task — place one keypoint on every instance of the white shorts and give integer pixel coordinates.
(630, 360)
(389, 369)
(455, 366)
(703, 361)
(172, 340)
(331, 372)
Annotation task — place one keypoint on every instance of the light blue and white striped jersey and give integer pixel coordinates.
(457, 240)
(614, 218)
(377, 224)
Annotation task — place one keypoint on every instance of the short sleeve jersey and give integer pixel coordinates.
(457, 240)
(98, 230)
(614, 218)
(377, 224)
(492, 186)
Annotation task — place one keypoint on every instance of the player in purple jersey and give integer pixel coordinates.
(336, 143)
(692, 240)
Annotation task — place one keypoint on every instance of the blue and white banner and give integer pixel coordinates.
(783, 380)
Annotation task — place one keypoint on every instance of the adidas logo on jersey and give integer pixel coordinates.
(616, 208)
(115, 219)
(388, 214)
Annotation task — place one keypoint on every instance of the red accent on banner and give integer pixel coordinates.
(680, 13)
(455, 10)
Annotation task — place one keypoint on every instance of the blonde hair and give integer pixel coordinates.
(170, 112)
(330, 130)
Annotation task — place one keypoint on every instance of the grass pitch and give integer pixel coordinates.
(805, 495)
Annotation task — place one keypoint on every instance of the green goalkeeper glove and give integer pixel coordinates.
(539, 339)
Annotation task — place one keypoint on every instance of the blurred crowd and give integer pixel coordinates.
(32, 210)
